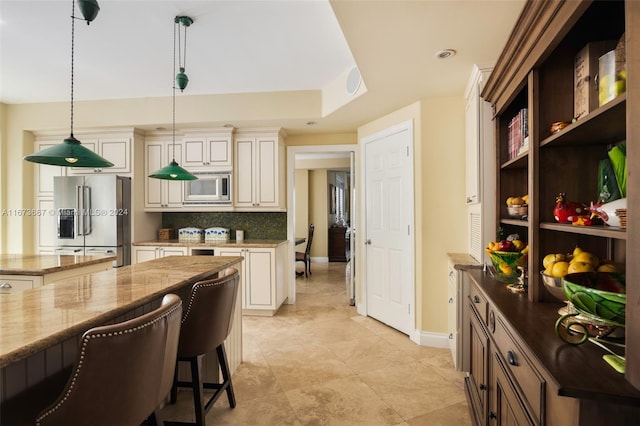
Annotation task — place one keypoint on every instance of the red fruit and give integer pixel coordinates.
(568, 211)
(506, 245)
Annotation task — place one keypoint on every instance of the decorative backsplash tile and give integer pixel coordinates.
(262, 225)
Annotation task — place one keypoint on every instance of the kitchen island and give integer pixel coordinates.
(22, 271)
(40, 328)
(264, 270)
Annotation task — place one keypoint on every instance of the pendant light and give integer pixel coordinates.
(173, 171)
(71, 153)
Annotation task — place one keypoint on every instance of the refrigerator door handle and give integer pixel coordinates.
(86, 205)
(80, 212)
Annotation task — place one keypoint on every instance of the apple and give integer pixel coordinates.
(505, 245)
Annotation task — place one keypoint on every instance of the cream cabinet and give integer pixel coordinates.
(161, 195)
(259, 171)
(262, 277)
(116, 149)
(212, 150)
(144, 253)
(16, 283)
(480, 164)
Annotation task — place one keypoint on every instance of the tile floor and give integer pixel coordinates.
(320, 363)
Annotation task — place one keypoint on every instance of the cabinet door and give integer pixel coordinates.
(219, 152)
(506, 407)
(478, 369)
(143, 253)
(260, 278)
(267, 173)
(14, 284)
(45, 173)
(172, 251)
(118, 151)
(452, 314)
(204, 152)
(229, 251)
(161, 194)
(172, 190)
(243, 173)
(472, 137)
(47, 228)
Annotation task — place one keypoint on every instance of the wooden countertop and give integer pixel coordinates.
(37, 264)
(228, 243)
(35, 319)
(578, 371)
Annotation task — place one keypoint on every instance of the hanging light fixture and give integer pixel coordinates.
(181, 78)
(71, 153)
(173, 171)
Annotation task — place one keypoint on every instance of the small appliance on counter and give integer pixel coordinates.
(190, 235)
(216, 234)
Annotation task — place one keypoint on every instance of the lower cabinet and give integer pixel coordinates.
(262, 278)
(144, 253)
(503, 387)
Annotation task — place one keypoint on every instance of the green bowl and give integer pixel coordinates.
(506, 264)
(599, 294)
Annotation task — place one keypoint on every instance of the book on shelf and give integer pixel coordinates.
(518, 136)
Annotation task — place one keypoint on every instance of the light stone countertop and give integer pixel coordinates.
(37, 264)
(463, 261)
(35, 319)
(223, 243)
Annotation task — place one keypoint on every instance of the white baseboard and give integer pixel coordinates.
(432, 340)
(319, 260)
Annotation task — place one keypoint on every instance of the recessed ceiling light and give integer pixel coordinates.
(311, 123)
(446, 53)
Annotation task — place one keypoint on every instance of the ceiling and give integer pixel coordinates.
(239, 47)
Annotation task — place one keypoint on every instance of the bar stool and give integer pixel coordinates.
(206, 324)
(117, 378)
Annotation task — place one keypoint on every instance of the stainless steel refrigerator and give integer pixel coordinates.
(93, 215)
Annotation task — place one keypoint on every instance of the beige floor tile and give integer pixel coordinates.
(320, 363)
(346, 401)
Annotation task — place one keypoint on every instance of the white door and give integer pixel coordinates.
(388, 232)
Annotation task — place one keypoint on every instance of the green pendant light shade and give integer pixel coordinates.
(173, 171)
(89, 9)
(70, 153)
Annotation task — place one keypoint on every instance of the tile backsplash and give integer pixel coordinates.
(259, 225)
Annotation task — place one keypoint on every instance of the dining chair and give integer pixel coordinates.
(206, 324)
(120, 373)
(306, 256)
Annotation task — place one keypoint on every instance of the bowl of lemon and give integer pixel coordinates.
(506, 264)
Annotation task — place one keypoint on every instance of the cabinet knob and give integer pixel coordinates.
(451, 300)
(476, 299)
(5, 285)
(511, 358)
(367, 242)
(450, 273)
(450, 336)
(492, 415)
(483, 386)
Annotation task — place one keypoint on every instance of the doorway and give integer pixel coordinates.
(319, 153)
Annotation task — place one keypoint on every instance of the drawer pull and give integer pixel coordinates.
(511, 358)
(476, 299)
(483, 386)
(5, 285)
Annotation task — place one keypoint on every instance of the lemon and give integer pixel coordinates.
(518, 244)
(553, 257)
(586, 257)
(580, 267)
(577, 250)
(560, 269)
(506, 269)
(607, 267)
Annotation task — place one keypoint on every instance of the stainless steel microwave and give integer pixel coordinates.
(209, 188)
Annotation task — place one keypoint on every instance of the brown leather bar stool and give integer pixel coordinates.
(206, 324)
(118, 378)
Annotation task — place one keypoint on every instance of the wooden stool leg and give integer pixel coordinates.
(226, 377)
(196, 382)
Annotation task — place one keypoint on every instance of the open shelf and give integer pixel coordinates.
(595, 231)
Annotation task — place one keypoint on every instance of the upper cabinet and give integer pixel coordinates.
(259, 171)
(211, 150)
(161, 195)
(116, 149)
(533, 86)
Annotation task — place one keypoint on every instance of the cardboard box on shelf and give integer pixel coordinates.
(585, 98)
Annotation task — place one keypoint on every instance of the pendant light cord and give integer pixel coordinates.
(175, 28)
(73, 26)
